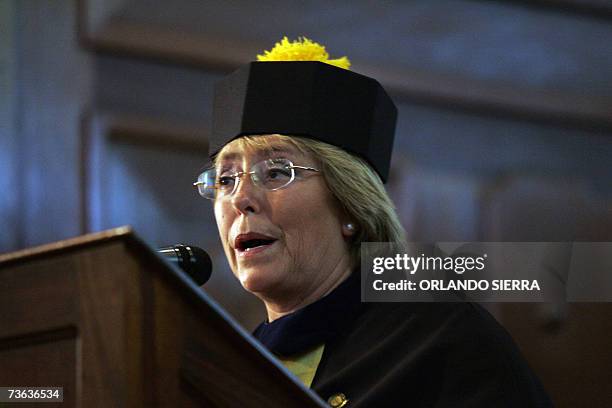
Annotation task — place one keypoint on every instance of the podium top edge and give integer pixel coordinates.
(67, 244)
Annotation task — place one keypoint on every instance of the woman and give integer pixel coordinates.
(292, 212)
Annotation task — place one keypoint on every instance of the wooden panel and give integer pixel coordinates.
(58, 295)
(215, 364)
(167, 319)
(51, 357)
(568, 345)
(211, 52)
(197, 356)
(521, 208)
(571, 355)
(67, 290)
(55, 287)
(103, 294)
(138, 326)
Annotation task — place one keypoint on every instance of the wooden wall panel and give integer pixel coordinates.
(390, 54)
(10, 238)
(53, 357)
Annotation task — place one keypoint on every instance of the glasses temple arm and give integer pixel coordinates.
(304, 168)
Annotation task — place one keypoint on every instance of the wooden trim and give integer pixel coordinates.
(65, 245)
(452, 92)
(121, 38)
(31, 339)
(159, 134)
(82, 27)
(493, 99)
(596, 9)
(84, 149)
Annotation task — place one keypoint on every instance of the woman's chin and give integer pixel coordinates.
(258, 280)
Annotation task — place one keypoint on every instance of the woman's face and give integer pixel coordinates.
(282, 243)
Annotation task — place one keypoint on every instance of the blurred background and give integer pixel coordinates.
(504, 131)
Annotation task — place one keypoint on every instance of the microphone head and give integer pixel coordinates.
(201, 264)
(194, 261)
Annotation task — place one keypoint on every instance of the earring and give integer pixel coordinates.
(349, 226)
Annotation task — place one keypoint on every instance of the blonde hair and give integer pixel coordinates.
(353, 182)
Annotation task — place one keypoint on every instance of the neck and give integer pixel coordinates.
(279, 307)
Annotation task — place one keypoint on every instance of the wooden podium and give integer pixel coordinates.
(109, 321)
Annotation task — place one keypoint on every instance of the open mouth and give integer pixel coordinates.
(254, 243)
(251, 241)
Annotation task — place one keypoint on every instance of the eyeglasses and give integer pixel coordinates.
(270, 174)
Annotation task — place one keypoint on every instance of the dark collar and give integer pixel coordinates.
(314, 324)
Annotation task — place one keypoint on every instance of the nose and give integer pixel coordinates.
(245, 198)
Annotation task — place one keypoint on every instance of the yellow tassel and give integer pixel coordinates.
(302, 50)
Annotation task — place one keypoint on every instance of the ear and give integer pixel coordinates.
(349, 229)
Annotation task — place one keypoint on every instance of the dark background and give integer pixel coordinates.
(504, 131)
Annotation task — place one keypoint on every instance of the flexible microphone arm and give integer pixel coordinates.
(194, 261)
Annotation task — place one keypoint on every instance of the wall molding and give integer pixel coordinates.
(164, 46)
(596, 9)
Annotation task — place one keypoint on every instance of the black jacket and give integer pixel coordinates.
(407, 354)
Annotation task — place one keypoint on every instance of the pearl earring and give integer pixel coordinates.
(350, 227)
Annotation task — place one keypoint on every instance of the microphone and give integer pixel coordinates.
(194, 261)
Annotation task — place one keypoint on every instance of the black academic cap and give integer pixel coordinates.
(306, 98)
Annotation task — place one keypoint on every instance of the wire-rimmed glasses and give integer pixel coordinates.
(270, 174)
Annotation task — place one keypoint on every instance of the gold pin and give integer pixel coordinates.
(337, 400)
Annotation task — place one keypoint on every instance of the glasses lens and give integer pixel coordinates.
(273, 174)
(206, 184)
